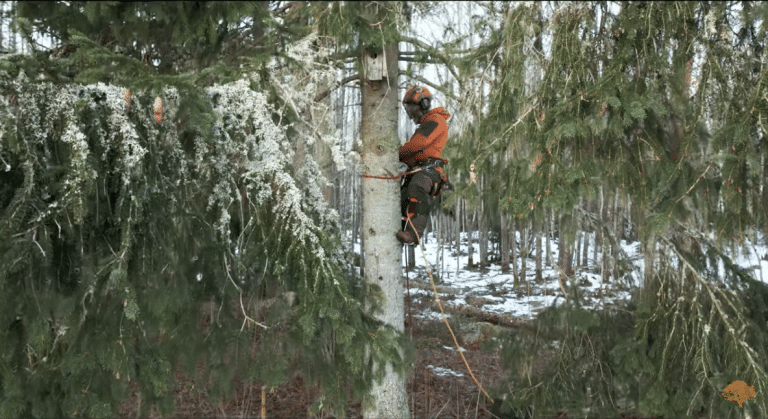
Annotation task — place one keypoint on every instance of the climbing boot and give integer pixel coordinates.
(406, 237)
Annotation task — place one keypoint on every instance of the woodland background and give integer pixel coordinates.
(174, 173)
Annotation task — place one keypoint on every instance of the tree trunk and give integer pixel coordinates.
(381, 219)
(513, 245)
(457, 223)
(585, 247)
(548, 234)
(615, 247)
(523, 250)
(606, 250)
(649, 254)
(579, 233)
(538, 256)
(470, 233)
(435, 220)
(564, 258)
(483, 239)
(504, 243)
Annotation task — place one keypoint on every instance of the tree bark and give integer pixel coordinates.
(470, 233)
(585, 247)
(548, 235)
(504, 245)
(514, 254)
(539, 277)
(457, 224)
(523, 250)
(381, 220)
(483, 239)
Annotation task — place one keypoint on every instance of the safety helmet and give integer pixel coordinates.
(419, 95)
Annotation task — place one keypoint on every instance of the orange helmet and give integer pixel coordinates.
(419, 95)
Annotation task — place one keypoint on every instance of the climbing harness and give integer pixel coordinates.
(434, 168)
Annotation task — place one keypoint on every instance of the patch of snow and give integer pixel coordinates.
(444, 372)
(495, 291)
(431, 315)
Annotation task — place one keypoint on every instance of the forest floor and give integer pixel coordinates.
(439, 385)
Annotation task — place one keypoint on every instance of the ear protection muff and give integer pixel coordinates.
(425, 103)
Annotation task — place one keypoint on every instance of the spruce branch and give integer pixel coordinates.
(322, 95)
(445, 59)
(434, 86)
(722, 294)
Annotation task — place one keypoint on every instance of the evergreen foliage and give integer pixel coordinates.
(662, 102)
(133, 247)
(119, 232)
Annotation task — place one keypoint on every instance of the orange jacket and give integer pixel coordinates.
(428, 140)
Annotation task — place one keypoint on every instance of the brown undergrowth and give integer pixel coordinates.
(430, 395)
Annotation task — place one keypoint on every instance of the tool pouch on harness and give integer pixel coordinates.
(435, 169)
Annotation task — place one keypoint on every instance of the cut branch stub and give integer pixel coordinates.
(157, 108)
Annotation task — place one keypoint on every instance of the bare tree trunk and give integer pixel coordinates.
(513, 244)
(523, 250)
(459, 213)
(483, 239)
(563, 276)
(627, 219)
(649, 254)
(319, 112)
(470, 233)
(579, 233)
(605, 268)
(564, 260)
(381, 218)
(615, 246)
(504, 243)
(457, 225)
(598, 237)
(548, 234)
(435, 220)
(585, 247)
(538, 256)
(577, 247)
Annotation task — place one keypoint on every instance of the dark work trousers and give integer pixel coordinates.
(416, 198)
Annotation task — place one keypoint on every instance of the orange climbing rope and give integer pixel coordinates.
(442, 313)
(418, 169)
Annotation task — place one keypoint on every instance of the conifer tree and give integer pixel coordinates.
(150, 221)
(661, 102)
(375, 29)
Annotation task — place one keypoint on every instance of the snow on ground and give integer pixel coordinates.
(444, 372)
(494, 292)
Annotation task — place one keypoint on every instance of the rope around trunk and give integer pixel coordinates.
(418, 169)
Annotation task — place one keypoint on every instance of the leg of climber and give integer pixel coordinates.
(414, 204)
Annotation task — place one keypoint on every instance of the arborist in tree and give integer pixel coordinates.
(422, 155)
